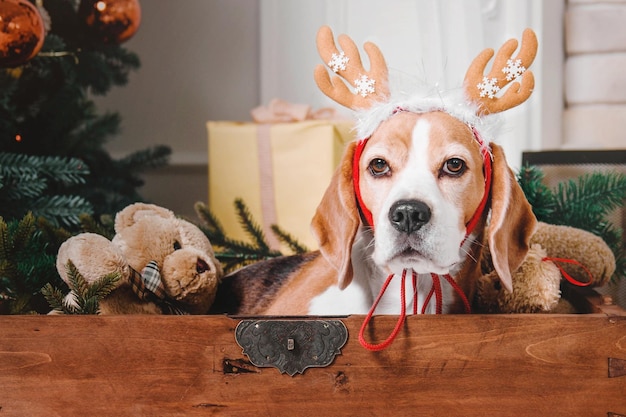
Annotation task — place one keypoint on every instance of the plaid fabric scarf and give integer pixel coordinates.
(148, 286)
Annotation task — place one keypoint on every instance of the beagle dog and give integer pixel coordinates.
(424, 195)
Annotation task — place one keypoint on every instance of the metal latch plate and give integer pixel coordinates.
(291, 346)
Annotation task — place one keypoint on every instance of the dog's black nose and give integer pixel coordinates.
(409, 215)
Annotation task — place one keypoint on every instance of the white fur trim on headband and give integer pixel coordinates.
(452, 102)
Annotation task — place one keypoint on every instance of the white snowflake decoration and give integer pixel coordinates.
(513, 69)
(488, 87)
(338, 62)
(364, 85)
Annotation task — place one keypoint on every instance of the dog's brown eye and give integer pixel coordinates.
(378, 167)
(454, 166)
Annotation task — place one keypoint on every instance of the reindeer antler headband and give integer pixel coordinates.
(370, 86)
(508, 84)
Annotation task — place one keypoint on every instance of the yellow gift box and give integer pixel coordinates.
(279, 170)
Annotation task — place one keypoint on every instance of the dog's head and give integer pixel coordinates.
(422, 180)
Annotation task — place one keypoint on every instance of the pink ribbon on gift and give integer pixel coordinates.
(281, 111)
(277, 111)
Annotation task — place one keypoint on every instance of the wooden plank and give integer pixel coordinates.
(509, 365)
(587, 300)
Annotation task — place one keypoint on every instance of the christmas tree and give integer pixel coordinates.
(52, 156)
(54, 170)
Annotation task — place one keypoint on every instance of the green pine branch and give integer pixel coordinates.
(65, 170)
(23, 232)
(540, 197)
(85, 297)
(153, 157)
(23, 187)
(251, 227)
(62, 210)
(29, 184)
(591, 198)
(27, 263)
(235, 254)
(105, 226)
(288, 239)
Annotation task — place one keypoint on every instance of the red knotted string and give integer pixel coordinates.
(414, 276)
(567, 276)
(438, 294)
(435, 289)
(459, 291)
(428, 297)
(394, 333)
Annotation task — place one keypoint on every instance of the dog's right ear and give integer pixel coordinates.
(336, 219)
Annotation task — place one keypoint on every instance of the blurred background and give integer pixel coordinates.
(216, 60)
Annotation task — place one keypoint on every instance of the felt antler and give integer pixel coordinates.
(482, 89)
(369, 86)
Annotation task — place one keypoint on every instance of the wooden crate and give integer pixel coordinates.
(451, 365)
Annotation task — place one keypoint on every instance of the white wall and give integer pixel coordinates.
(595, 82)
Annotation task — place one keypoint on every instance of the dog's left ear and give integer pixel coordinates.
(512, 220)
(336, 220)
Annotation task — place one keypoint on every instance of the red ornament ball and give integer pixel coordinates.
(111, 21)
(21, 32)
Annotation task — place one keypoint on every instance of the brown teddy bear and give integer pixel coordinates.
(536, 284)
(166, 264)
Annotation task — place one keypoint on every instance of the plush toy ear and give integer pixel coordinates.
(93, 255)
(512, 220)
(130, 214)
(336, 220)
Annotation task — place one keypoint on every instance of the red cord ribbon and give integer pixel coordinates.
(394, 333)
(435, 289)
(567, 276)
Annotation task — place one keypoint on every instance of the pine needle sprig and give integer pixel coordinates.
(288, 239)
(210, 222)
(23, 232)
(53, 236)
(29, 184)
(67, 171)
(54, 297)
(214, 230)
(25, 187)
(62, 210)
(591, 197)
(27, 262)
(77, 282)
(153, 157)
(104, 227)
(540, 197)
(85, 297)
(55, 168)
(5, 243)
(250, 226)
(234, 254)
